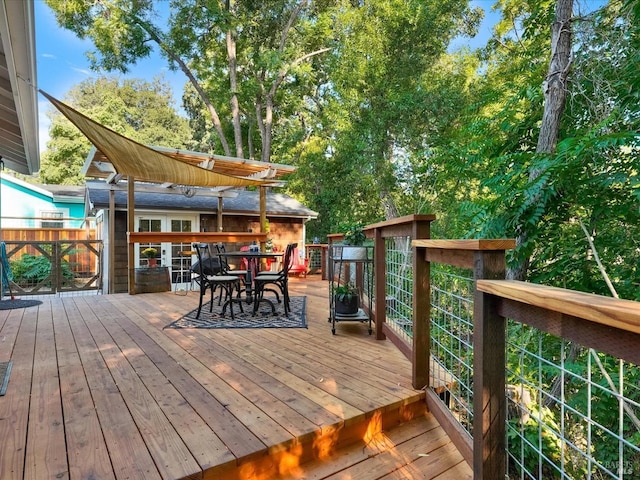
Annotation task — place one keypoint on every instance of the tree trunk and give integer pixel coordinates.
(555, 96)
(192, 79)
(233, 84)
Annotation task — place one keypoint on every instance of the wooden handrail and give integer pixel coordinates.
(188, 237)
(620, 314)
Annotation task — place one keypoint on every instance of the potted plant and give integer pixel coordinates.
(346, 299)
(150, 254)
(354, 239)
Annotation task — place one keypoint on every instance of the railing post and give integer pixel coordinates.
(380, 272)
(56, 266)
(421, 353)
(489, 400)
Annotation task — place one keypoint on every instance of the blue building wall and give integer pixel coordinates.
(21, 205)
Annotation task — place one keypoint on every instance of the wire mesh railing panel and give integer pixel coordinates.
(399, 286)
(451, 338)
(573, 413)
(314, 255)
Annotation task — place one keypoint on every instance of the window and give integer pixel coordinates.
(53, 223)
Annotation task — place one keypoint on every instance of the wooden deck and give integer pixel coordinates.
(99, 390)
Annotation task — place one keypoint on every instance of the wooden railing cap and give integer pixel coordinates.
(472, 244)
(621, 314)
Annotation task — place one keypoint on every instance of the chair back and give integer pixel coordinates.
(222, 258)
(288, 258)
(206, 264)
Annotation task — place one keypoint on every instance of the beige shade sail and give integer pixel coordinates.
(145, 164)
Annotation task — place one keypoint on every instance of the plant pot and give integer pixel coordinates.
(151, 280)
(349, 306)
(354, 252)
(152, 262)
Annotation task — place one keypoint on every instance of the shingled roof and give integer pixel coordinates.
(241, 202)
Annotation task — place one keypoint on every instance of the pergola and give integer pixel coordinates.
(116, 157)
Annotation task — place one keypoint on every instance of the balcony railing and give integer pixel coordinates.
(540, 382)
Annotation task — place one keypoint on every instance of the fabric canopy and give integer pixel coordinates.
(131, 158)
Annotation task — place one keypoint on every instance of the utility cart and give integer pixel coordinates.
(350, 266)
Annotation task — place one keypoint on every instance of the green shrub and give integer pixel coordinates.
(35, 268)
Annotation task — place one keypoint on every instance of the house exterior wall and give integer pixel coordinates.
(23, 204)
(282, 232)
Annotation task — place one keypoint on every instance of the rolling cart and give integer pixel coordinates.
(351, 264)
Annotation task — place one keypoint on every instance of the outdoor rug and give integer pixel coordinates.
(11, 304)
(5, 371)
(263, 319)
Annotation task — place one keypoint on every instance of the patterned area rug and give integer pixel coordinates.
(11, 304)
(263, 319)
(5, 371)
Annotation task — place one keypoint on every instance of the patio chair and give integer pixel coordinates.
(208, 279)
(226, 268)
(279, 279)
(299, 266)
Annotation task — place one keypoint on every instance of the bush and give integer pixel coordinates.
(32, 269)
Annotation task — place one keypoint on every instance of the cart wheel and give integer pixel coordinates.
(333, 331)
(370, 331)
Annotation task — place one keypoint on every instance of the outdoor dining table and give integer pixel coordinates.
(253, 263)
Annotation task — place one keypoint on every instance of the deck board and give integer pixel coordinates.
(100, 389)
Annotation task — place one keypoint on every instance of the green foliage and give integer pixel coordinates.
(354, 235)
(535, 435)
(344, 292)
(149, 252)
(32, 269)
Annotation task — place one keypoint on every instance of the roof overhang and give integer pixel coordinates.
(18, 96)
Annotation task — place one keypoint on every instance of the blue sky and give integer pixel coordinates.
(62, 63)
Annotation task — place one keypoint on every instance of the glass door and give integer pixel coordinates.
(150, 254)
(182, 255)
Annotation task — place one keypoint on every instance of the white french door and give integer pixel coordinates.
(172, 255)
(180, 257)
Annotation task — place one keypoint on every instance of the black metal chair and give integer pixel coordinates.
(279, 279)
(226, 269)
(210, 276)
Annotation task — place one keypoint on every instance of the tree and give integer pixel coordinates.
(380, 102)
(137, 109)
(237, 56)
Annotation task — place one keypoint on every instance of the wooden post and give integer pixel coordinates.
(263, 214)
(131, 226)
(219, 216)
(489, 399)
(112, 241)
(421, 360)
(421, 319)
(380, 272)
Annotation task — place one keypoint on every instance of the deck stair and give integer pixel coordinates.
(416, 449)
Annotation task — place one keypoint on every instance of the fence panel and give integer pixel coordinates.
(38, 268)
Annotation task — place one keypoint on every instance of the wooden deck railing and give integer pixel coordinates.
(47, 267)
(606, 325)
